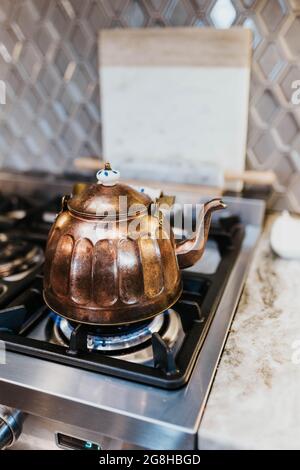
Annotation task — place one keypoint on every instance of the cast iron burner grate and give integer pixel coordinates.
(18, 256)
(172, 370)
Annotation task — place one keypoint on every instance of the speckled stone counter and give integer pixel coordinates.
(255, 399)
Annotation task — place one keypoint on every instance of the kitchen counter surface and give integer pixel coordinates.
(255, 399)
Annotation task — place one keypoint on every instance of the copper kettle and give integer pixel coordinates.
(110, 264)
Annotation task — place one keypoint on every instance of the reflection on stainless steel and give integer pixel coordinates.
(11, 421)
(209, 263)
(135, 341)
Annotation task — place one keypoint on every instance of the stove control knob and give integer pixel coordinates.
(11, 422)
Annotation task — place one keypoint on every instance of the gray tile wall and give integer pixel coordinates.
(48, 60)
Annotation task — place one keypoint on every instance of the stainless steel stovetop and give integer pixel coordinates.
(78, 403)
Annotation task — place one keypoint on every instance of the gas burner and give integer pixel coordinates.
(116, 339)
(130, 342)
(17, 257)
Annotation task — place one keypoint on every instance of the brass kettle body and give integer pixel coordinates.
(97, 272)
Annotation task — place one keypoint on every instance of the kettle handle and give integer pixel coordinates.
(64, 202)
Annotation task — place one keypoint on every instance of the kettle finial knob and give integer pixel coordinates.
(107, 176)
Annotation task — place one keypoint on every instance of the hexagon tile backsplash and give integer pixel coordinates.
(48, 59)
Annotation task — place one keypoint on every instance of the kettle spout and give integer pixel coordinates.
(189, 251)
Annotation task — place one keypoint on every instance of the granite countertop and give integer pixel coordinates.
(255, 399)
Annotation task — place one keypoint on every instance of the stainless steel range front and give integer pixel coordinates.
(64, 385)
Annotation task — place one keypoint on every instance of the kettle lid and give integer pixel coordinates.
(109, 198)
